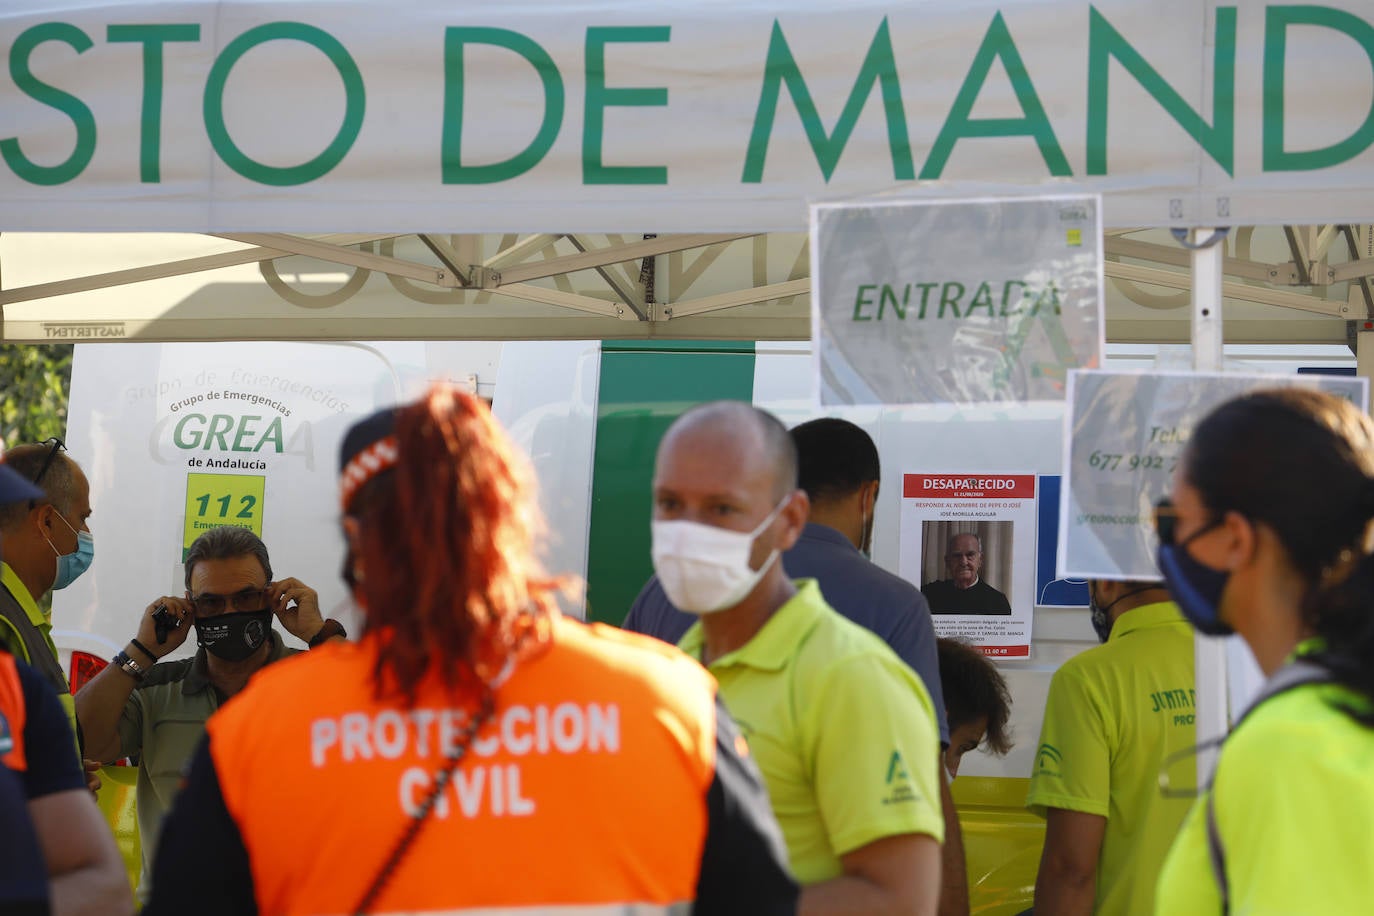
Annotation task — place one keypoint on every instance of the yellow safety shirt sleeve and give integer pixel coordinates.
(1185, 879)
(1292, 807)
(1072, 768)
(872, 738)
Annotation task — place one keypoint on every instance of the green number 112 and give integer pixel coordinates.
(246, 504)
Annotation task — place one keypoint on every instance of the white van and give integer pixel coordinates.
(176, 437)
(167, 431)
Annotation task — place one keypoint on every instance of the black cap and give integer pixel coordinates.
(365, 432)
(368, 449)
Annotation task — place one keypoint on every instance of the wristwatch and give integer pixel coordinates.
(125, 663)
(330, 629)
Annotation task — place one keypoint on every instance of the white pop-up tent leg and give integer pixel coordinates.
(1210, 655)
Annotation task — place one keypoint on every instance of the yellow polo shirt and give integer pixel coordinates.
(842, 730)
(1113, 715)
(1294, 790)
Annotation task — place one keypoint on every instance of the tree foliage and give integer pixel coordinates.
(35, 380)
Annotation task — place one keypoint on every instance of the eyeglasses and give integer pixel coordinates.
(1166, 524)
(250, 599)
(55, 444)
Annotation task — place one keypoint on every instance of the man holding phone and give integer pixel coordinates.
(137, 707)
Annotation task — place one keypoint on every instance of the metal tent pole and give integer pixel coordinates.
(1210, 655)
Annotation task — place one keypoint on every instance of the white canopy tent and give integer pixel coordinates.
(384, 287)
(309, 142)
(127, 286)
(327, 116)
(313, 139)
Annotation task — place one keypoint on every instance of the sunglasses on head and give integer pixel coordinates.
(54, 444)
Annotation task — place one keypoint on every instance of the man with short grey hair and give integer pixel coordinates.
(48, 543)
(137, 706)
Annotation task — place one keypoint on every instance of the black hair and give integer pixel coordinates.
(974, 687)
(834, 458)
(1301, 462)
(226, 543)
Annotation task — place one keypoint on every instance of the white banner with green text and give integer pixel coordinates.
(675, 115)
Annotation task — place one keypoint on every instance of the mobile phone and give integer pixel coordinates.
(164, 622)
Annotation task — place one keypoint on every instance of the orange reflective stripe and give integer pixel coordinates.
(587, 788)
(12, 715)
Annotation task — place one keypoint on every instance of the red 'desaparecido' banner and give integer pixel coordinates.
(968, 486)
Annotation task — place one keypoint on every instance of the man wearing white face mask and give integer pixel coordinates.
(839, 468)
(47, 545)
(843, 731)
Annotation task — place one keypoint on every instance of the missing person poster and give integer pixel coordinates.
(1125, 434)
(968, 542)
(955, 301)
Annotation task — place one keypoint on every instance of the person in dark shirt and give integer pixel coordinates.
(59, 855)
(964, 592)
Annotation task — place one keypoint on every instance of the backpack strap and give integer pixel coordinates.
(1289, 677)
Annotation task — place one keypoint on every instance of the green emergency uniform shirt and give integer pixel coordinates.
(162, 723)
(43, 624)
(1113, 716)
(1294, 791)
(842, 730)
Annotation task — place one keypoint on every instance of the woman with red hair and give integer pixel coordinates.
(473, 750)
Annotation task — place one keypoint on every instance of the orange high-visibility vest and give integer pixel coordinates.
(12, 715)
(588, 786)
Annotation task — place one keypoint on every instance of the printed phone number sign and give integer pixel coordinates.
(216, 500)
(1125, 434)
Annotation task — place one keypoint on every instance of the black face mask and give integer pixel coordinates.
(1197, 588)
(1102, 624)
(1101, 618)
(234, 636)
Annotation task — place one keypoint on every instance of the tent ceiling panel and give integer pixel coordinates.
(56, 287)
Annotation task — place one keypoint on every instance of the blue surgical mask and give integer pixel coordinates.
(70, 566)
(1196, 588)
